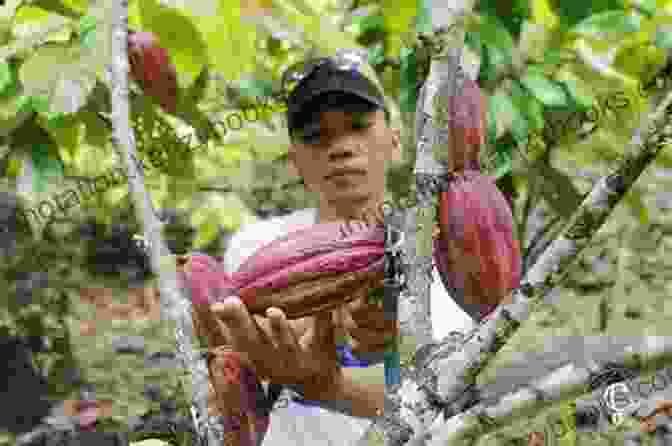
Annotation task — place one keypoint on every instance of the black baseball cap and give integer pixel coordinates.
(319, 77)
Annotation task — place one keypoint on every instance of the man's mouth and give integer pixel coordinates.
(88, 413)
(344, 172)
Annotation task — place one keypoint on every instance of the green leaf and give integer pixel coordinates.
(502, 113)
(663, 39)
(254, 89)
(423, 23)
(511, 13)
(58, 78)
(528, 106)
(65, 130)
(557, 188)
(6, 77)
(610, 23)
(545, 90)
(635, 200)
(558, 56)
(576, 93)
(47, 165)
(377, 54)
(87, 30)
(368, 23)
(180, 36)
(493, 34)
(648, 7)
(503, 165)
(398, 18)
(97, 133)
(230, 43)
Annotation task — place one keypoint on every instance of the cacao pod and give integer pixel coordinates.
(467, 129)
(303, 273)
(476, 255)
(151, 67)
(236, 395)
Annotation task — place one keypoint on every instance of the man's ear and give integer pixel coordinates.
(291, 162)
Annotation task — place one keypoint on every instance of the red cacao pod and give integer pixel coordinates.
(467, 116)
(303, 273)
(477, 257)
(152, 69)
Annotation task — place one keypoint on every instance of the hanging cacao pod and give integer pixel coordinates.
(151, 67)
(467, 116)
(477, 257)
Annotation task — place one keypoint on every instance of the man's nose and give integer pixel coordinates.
(341, 150)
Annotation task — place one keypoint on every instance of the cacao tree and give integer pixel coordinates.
(558, 103)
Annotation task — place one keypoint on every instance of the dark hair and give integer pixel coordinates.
(337, 101)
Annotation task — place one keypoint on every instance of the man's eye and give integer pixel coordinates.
(311, 139)
(360, 124)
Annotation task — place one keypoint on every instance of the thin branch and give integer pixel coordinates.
(567, 382)
(174, 306)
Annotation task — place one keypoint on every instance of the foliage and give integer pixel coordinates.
(539, 63)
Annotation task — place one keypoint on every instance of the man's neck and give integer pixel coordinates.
(347, 211)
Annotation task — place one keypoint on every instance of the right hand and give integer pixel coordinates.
(280, 352)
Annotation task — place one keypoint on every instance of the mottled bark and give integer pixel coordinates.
(174, 306)
(567, 382)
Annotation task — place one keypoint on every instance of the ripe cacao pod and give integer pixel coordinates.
(303, 273)
(151, 67)
(477, 257)
(467, 116)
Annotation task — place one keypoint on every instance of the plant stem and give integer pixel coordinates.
(174, 306)
(564, 383)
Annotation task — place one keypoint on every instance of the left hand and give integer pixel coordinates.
(663, 407)
(367, 325)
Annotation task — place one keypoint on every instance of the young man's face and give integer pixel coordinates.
(343, 157)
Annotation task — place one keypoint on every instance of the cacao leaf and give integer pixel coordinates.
(609, 24)
(493, 34)
(558, 189)
(545, 90)
(528, 106)
(7, 78)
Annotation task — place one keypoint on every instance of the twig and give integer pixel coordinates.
(567, 382)
(173, 305)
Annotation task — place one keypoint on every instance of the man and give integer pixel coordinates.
(341, 145)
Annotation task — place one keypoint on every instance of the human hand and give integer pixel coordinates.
(536, 439)
(663, 407)
(366, 323)
(281, 353)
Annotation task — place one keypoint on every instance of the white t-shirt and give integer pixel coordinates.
(319, 426)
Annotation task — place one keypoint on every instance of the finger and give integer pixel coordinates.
(282, 334)
(664, 406)
(323, 329)
(369, 316)
(368, 339)
(234, 319)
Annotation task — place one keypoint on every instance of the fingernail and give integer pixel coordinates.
(232, 300)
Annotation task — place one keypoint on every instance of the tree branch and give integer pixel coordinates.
(174, 306)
